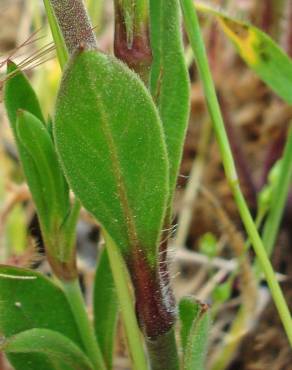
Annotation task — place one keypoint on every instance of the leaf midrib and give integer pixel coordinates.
(117, 172)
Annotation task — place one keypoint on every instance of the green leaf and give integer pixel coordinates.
(223, 291)
(259, 51)
(19, 94)
(208, 245)
(42, 171)
(52, 185)
(280, 179)
(61, 48)
(29, 300)
(195, 324)
(110, 141)
(105, 308)
(52, 344)
(169, 81)
(188, 312)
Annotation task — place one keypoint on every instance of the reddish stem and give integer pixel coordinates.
(137, 55)
(154, 305)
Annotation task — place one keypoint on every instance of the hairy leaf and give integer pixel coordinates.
(195, 324)
(52, 344)
(169, 82)
(110, 141)
(188, 312)
(259, 52)
(29, 300)
(37, 142)
(19, 94)
(41, 167)
(105, 308)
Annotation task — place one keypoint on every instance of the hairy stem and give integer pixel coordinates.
(132, 44)
(74, 23)
(155, 308)
(162, 352)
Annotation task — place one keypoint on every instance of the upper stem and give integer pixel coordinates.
(74, 23)
(131, 42)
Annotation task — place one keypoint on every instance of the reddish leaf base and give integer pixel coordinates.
(155, 304)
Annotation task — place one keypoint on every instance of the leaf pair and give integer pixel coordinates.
(37, 323)
(38, 327)
(41, 167)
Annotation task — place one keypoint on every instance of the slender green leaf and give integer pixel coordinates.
(62, 51)
(195, 324)
(279, 196)
(41, 167)
(105, 308)
(29, 300)
(50, 343)
(110, 141)
(259, 51)
(188, 312)
(37, 142)
(169, 82)
(19, 94)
